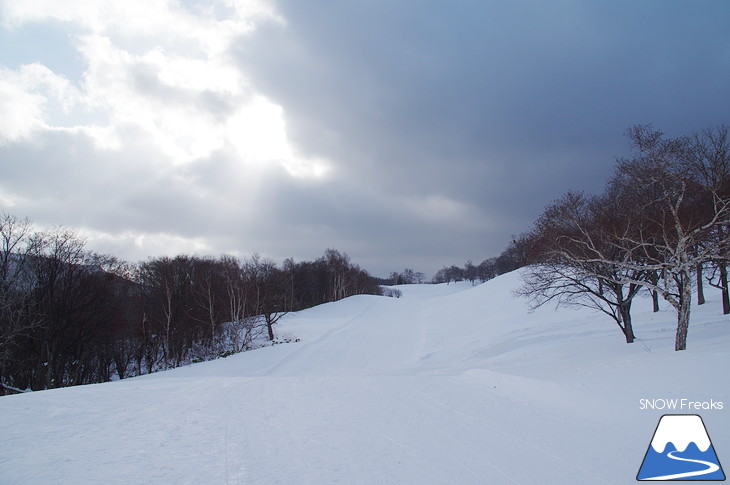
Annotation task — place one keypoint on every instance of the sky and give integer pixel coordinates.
(406, 133)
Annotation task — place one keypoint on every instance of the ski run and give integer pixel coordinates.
(449, 384)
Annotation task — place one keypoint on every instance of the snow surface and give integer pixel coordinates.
(450, 384)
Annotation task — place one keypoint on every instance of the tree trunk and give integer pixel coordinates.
(625, 310)
(685, 304)
(700, 289)
(680, 342)
(723, 284)
(269, 325)
(655, 294)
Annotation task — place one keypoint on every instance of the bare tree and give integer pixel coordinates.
(707, 160)
(338, 265)
(487, 269)
(166, 284)
(470, 271)
(207, 291)
(16, 321)
(663, 248)
(289, 268)
(395, 278)
(408, 276)
(268, 285)
(664, 215)
(685, 218)
(576, 259)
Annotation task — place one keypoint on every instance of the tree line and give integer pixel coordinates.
(70, 316)
(662, 223)
(512, 258)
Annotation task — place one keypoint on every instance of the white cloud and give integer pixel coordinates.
(152, 91)
(22, 111)
(159, 66)
(8, 199)
(138, 245)
(139, 22)
(30, 98)
(161, 144)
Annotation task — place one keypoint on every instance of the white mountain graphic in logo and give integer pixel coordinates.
(681, 450)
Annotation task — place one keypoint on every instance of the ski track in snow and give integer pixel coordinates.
(446, 385)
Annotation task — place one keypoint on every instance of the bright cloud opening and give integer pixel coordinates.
(160, 67)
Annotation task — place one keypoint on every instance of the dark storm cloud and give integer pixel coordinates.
(503, 105)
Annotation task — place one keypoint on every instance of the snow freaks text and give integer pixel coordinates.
(680, 404)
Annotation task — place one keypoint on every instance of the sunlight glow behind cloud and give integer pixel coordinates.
(156, 66)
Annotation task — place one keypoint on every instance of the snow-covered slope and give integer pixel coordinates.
(446, 385)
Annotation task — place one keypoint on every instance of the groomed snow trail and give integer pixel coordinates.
(447, 385)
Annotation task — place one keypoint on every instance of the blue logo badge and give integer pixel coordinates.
(681, 450)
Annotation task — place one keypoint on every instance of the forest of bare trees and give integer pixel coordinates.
(662, 223)
(69, 316)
